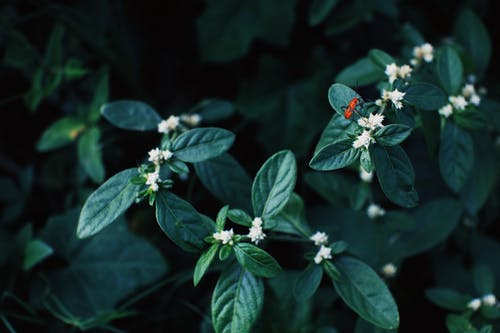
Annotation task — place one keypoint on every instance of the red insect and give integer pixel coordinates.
(351, 107)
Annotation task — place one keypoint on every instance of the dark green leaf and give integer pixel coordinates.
(319, 10)
(101, 95)
(363, 290)
(221, 217)
(239, 216)
(204, 262)
(459, 324)
(449, 70)
(392, 134)
(380, 58)
(212, 110)
(362, 73)
(237, 301)
(448, 299)
(106, 203)
(291, 219)
(362, 326)
(256, 261)
(335, 156)
(200, 144)
(484, 280)
(456, 155)
(435, 221)
(308, 282)
(425, 96)
(225, 252)
(412, 35)
(178, 166)
(339, 97)
(131, 115)
(395, 174)
(34, 252)
(226, 179)
(273, 184)
(181, 222)
(470, 119)
(472, 33)
(89, 154)
(61, 133)
(337, 129)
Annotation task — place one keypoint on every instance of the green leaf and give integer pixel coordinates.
(54, 50)
(435, 221)
(274, 183)
(470, 119)
(319, 10)
(101, 95)
(380, 58)
(395, 174)
(473, 35)
(339, 97)
(204, 262)
(212, 110)
(362, 326)
(456, 156)
(227, 28)
(291, 219)
(178, 166)
(448, 299)
(73, 69)
(237, 301)
(221, 217)
(412, 35)
(365, 161)
(89, 154)
(61, 133)
(334, 156)
(200, 144)
(131, 115)
(225, 252)
(100, 271)
(35, 251)
(226, 180)
(449, 70)
(484, 280)
(392, 134)
(181, 222)
(239, 216)
(308, 282)
(459, 324)
(256, 261)
(106, 203)
(337, 129)
(425, 96)
(361, 73)
(364, 292)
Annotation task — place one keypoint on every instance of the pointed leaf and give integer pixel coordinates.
(308, 282)
(449, 70)
(61, 133)
(200, 144)
(335, 155)
(204, 262)
(425, 96)
(392, 134)
(89, 154)
(131, 115)
(256, 260)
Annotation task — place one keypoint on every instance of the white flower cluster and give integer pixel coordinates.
(486, 300)
(389, 270)
(369, 124)
(423, 52)
(157, 155)
(460, 102)
(225, 236)
(191, 119)
(395, 96)
(256, 233)
(168, 125)
(321, 239)
(152, 179)
(373, 211)
(394, 71)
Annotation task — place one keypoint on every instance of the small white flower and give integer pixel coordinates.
(168, 125)
(489, 300)
(396, 97)
(166, 154)
(458, 102)
(155, 155)
(392, 71)
(365, 176)
(389, 270)
(414, 62)
(225, 236)
(152, 180)
(379, 102)
(446, 110)
(319, 238)
(475, 99)
(404, 71)
(468, 90)
(324, 252)
(424, 51)
(363, 140)
(373, 211)
(372, 122)
(474, 304)
(191, 119)
(256, 233)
